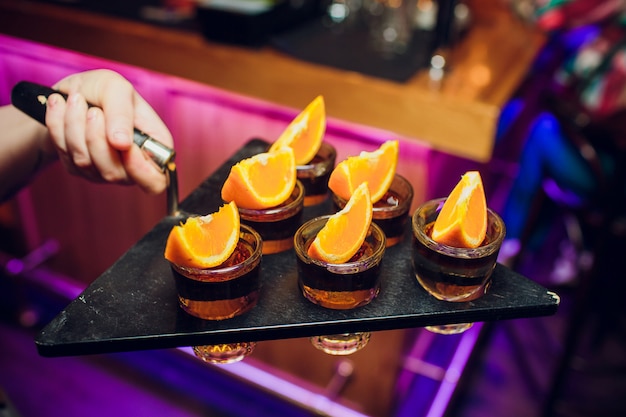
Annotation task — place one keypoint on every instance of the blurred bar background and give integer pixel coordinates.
(215, 93)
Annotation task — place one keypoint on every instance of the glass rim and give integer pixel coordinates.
(346, 267)
(281, 210)
(248, 263)
(332, 154)
(480, 251)
(404, 205)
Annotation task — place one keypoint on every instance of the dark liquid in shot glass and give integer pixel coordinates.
(222, 298)
(391, 212)
(336, 290)
(314, 175)
(449, 277)
(394, 227)
(315, 186)
(277, 225)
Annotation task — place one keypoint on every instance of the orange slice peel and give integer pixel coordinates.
(345, 231)
(305, 132)
(377, 168)
(262, 181)
(462, 221)
(205, 241)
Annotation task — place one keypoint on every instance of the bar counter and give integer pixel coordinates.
(457, 117)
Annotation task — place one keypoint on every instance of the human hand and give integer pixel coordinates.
(97, 142)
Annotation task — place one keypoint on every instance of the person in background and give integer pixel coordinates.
(547, 151)
(95, 143)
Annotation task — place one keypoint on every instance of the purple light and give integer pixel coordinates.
(454, 371)
(282, 388)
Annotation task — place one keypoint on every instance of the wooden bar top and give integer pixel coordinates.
(457, 117)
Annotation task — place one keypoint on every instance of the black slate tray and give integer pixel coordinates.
(133, 305)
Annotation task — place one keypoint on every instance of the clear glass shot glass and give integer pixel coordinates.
(339, 286)
(341, 344)
(277, 225)
(391, 212)
(223, 292)
(314, 175)
(449, 273)
(224, 353)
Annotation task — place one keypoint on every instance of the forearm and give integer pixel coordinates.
(24, 150)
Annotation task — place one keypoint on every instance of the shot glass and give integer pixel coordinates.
(224, 353)
(314, 175)
(339, 286)
(277, 225)
(391, 212)
(223, 292)
(449, 273)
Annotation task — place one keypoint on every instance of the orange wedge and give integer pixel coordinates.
(345, 231)
(305, 132)
(261, 181)
(377, 168)
(206, 241)
(462, 222)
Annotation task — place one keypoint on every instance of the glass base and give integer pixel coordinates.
(312, 200)
(341, 344)
(219, 309)
(340, 300)
(224, 353)
(276, 246)
(450, 328)
(454, 293)
(393, 240)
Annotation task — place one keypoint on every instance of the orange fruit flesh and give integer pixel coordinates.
(377, 168)
(262, 181)
(345, 231)
(204, 242)
(462, 221)
(305, 132)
